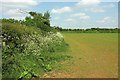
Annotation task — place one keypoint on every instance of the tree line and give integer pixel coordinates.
(90, 30)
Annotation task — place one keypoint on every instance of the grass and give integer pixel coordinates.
(95, 55)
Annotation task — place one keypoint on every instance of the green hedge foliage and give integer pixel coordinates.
(27, 52)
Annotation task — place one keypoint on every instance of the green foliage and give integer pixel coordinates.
(47, 15)
(91, 30)
(27, 52)
(10, 20)
(39, 20)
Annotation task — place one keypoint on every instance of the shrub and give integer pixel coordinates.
(27, 52)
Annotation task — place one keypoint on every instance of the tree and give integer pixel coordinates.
(47, 15)
(39, 20)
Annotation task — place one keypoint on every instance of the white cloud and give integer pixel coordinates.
(110, 5)
(93, 6)
(19, 3)
(12, 12)
(81, 16)
(88, 2)
(70, 20)
(94, 9)
(61, 10)
(56, 18)
(97, 10)
(106, 20)
(10, 7)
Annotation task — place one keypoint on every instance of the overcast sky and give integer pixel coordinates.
(80, 14)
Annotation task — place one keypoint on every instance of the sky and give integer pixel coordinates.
(66, 14)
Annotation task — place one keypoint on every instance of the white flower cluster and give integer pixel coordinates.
(59, 35)
(36, 43)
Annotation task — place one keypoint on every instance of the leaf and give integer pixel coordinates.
(23, 74)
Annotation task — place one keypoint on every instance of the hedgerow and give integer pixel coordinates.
(29, 51)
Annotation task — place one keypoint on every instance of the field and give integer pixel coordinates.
(95, 55)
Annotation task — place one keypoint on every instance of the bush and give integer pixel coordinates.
(27, 52)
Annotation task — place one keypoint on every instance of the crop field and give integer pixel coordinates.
(95, 55)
